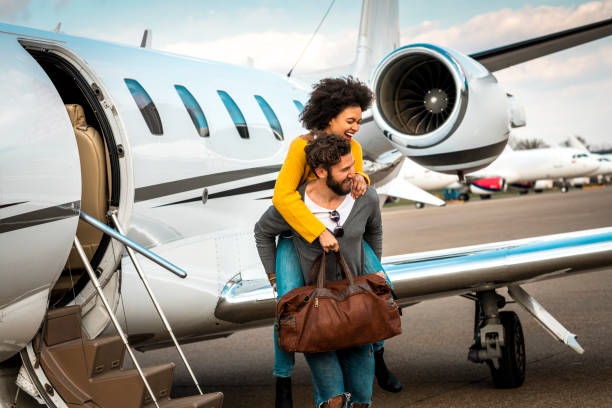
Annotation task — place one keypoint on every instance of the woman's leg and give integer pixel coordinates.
(288, 276)
(326, 371)
(386, 379)
(358, 372)
(373, 265)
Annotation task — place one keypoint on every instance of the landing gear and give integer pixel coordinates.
(419, 205)
(498, 340)
(485, 196)
(511, 370)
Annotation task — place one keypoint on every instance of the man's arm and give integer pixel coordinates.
(373, 230)
(269, 226)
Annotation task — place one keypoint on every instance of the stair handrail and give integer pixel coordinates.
(113, 216)
(133, 245)
(96, 283)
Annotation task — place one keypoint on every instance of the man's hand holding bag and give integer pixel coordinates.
(336, 315)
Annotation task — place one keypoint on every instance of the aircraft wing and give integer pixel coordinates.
(512, 54)
(398, 187)
(450, 272)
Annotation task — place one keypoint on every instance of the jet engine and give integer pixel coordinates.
(488, 185)
(440, 108)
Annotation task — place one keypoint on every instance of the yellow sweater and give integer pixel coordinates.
(294, 173)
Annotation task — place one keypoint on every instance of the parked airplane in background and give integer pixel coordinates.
(183, 153)
(520, 169)
(517, 169)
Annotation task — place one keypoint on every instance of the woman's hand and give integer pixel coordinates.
(359, 186)
(328, 241)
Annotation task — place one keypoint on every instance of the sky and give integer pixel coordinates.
(564, 94)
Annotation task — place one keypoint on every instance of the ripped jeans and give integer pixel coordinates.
(289, 276)
(347, 371)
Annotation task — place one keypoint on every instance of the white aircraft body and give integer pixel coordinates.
(518, 168)
(184, 153)
(511, 167)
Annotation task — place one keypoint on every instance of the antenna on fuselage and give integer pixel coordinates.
(311, 38)
(57, 27)
(147, 37)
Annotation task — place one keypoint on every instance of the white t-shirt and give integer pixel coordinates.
(322, 213)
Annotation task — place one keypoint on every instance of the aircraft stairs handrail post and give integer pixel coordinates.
(113, 216)
(96, 283)
(130, 247)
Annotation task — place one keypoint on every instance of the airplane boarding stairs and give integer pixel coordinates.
(88, 373)
(64, 368)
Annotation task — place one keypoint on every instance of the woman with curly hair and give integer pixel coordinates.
(335, 107)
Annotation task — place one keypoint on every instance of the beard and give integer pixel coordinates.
(340, 188)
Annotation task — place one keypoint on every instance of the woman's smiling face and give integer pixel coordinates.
(346, 123)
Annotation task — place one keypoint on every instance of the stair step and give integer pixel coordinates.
(103, 355)
(63, 325)
(124, 388)
(210, 400)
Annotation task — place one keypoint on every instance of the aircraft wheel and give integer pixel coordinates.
(464, 197)
(419, 205)
(564, 189)
(485, 196)
(511, 371)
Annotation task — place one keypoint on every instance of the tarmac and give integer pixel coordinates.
(430, 357)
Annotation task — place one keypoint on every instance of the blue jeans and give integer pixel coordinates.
(343, 371)
(289, 276)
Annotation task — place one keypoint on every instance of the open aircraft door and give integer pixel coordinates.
(40, 193)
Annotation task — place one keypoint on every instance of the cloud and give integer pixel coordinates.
(273, 50)
(60, 4)
(506, 26)
(11, 10)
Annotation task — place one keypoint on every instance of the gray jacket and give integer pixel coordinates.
(363, 223)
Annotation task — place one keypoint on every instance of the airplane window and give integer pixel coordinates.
(194, 110)
(272, 119)
(235, 114)
(298, 105)
(146, 106)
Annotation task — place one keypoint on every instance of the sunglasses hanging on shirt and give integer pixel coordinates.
(335, 217)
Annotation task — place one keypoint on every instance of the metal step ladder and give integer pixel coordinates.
(88, 372)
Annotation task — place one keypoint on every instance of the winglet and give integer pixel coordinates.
(56, 30)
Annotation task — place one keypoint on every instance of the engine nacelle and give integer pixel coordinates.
(440, 108)
(488, 185)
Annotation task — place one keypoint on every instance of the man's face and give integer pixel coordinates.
(340, 176)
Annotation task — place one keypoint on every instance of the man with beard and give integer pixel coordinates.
(351, 221)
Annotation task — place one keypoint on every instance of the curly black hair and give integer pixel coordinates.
(325, 150)
(330, 96)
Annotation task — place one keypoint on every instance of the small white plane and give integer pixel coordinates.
(520, 169)
(182, 154)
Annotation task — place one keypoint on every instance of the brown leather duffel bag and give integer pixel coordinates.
(336, 315)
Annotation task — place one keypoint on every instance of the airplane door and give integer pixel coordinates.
(40, 192)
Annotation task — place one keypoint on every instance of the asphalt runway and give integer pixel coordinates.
(430, 356)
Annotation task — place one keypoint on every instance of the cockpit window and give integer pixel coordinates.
(146, 106)
(235, 114)
(271, 116)
(194, 110)
(298, 105)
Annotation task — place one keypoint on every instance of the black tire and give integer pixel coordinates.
(464, 197)
(511, 371)
(419, 205)
(485, 196)
(524, 192)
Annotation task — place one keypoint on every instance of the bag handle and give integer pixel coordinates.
(317, 271)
